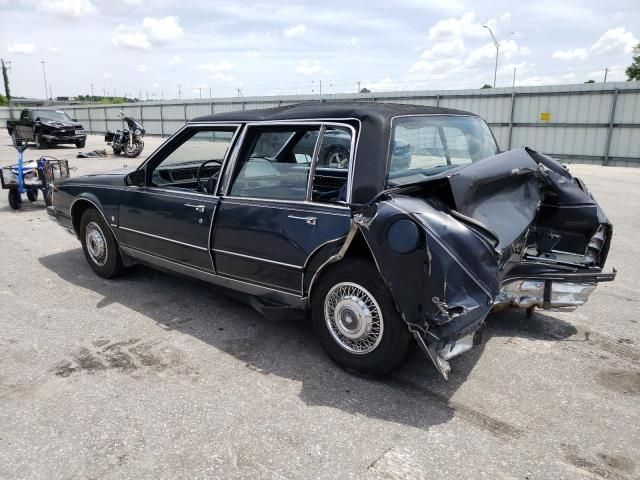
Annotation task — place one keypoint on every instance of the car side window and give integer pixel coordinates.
(275, 163)
(180, 167)
(25, 115)
(332, 170)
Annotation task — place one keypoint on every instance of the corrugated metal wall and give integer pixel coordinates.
(592, 123)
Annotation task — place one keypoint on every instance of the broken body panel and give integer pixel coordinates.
(515, 229)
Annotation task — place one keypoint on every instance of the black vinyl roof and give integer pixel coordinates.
(372, 147)
(331, 109)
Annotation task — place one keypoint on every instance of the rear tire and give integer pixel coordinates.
(32, 195)
(356, 319)
(99, 245)
(15, 199)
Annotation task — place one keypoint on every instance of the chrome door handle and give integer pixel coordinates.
(308, 220)
(199, 208)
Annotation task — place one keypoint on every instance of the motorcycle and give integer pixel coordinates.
(127, 141)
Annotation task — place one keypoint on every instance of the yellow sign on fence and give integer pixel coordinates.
(545, 116)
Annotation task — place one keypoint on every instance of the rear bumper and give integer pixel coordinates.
(562, 291)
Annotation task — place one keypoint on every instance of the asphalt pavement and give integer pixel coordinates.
(155, 376)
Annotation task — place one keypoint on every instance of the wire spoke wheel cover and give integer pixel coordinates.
(96, 244)
(353, 317)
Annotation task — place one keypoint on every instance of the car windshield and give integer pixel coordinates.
(423, 146)
(52, 115)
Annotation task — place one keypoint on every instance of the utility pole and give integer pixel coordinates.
(200, 89)
(514, 77)
(50, 94)
(6, 66)
(147, 95)
(320, 87)
(606, 70)
(210, 96)
(239, 92)
(179, 92)
(46, 89)
(497, 45)
(358, 88)
(92, 99)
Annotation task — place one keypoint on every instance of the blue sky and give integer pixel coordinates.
(269, 48)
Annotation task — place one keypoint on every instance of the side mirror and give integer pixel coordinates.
(135, 178)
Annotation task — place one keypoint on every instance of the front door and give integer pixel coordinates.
(171, 216)
(273, 218)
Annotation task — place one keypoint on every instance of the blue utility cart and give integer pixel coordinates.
(31, 177)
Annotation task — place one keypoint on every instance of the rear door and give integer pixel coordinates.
(271, 220)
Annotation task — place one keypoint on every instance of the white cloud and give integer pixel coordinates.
(107, 75)
(383, 85)
(152, 32)
(252, 53)
(126, 37)
(54, 49)
(68, 8)
(142, 68)
(440, 66)
(306, 67)
(22, 48)
(450, 48)
(223, 66)
(222, 76)
(577, 54)
(162, 30)
(175, 60)
(464, 26)
(295, 31)
(614, 41)
(353, 42)
(509, 49)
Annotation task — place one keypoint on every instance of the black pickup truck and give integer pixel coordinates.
(47, 127)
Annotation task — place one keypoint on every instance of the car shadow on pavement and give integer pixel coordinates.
(415, 395)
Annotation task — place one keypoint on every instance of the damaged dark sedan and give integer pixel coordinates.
(415, 232)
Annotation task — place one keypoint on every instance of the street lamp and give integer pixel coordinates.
(46, 90)
(497, 45)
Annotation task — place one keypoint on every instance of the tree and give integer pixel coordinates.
(486, 85)
(590, 81)
(633, 70)
(365, 90)
(3, 100)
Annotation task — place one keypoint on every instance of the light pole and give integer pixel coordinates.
(497, 45)
(46, 89)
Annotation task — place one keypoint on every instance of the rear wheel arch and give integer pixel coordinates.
(357, 249)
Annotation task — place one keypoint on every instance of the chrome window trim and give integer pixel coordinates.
(158, 237)
(314, 163)
(394, 118)
(151, 157)
(355, 137)
(259, 259)
(261, 202)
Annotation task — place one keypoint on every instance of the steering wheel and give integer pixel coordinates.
(199, 174)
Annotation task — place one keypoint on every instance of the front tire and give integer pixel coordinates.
(15, 199)
(356, 320)
(40, 143)
(81, 143)
(134, 149)
(99, 245)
